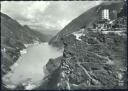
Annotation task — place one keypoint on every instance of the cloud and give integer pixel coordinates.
(52, 15)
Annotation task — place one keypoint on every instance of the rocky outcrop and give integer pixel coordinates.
(53, 64)
(95, 61)
(91, 60)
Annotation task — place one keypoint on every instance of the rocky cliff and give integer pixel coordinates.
(91, 59)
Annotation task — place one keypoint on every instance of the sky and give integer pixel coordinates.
(50, 15)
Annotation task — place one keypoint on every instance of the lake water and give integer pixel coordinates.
(30, 65)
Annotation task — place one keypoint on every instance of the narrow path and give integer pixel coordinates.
(87, 73)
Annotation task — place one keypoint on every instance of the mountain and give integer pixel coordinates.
(94, 60)
(13, 39)
(91, 59)
(97, 61)
(41, 35)
(84, 20)
(47, 33)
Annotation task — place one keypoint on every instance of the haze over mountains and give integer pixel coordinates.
(46, 16)
(13, 39)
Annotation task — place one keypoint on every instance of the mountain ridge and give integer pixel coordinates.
(84, 20)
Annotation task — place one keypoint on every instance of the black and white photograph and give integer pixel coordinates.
(64, 45)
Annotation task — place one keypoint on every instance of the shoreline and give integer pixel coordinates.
(29, 85)
(15, 64)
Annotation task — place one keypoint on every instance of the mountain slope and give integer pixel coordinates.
(91, 59)
(95, 60)
(13, 39)
(41, 35)
(84, 20)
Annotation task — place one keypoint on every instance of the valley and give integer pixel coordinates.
(88, 53)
